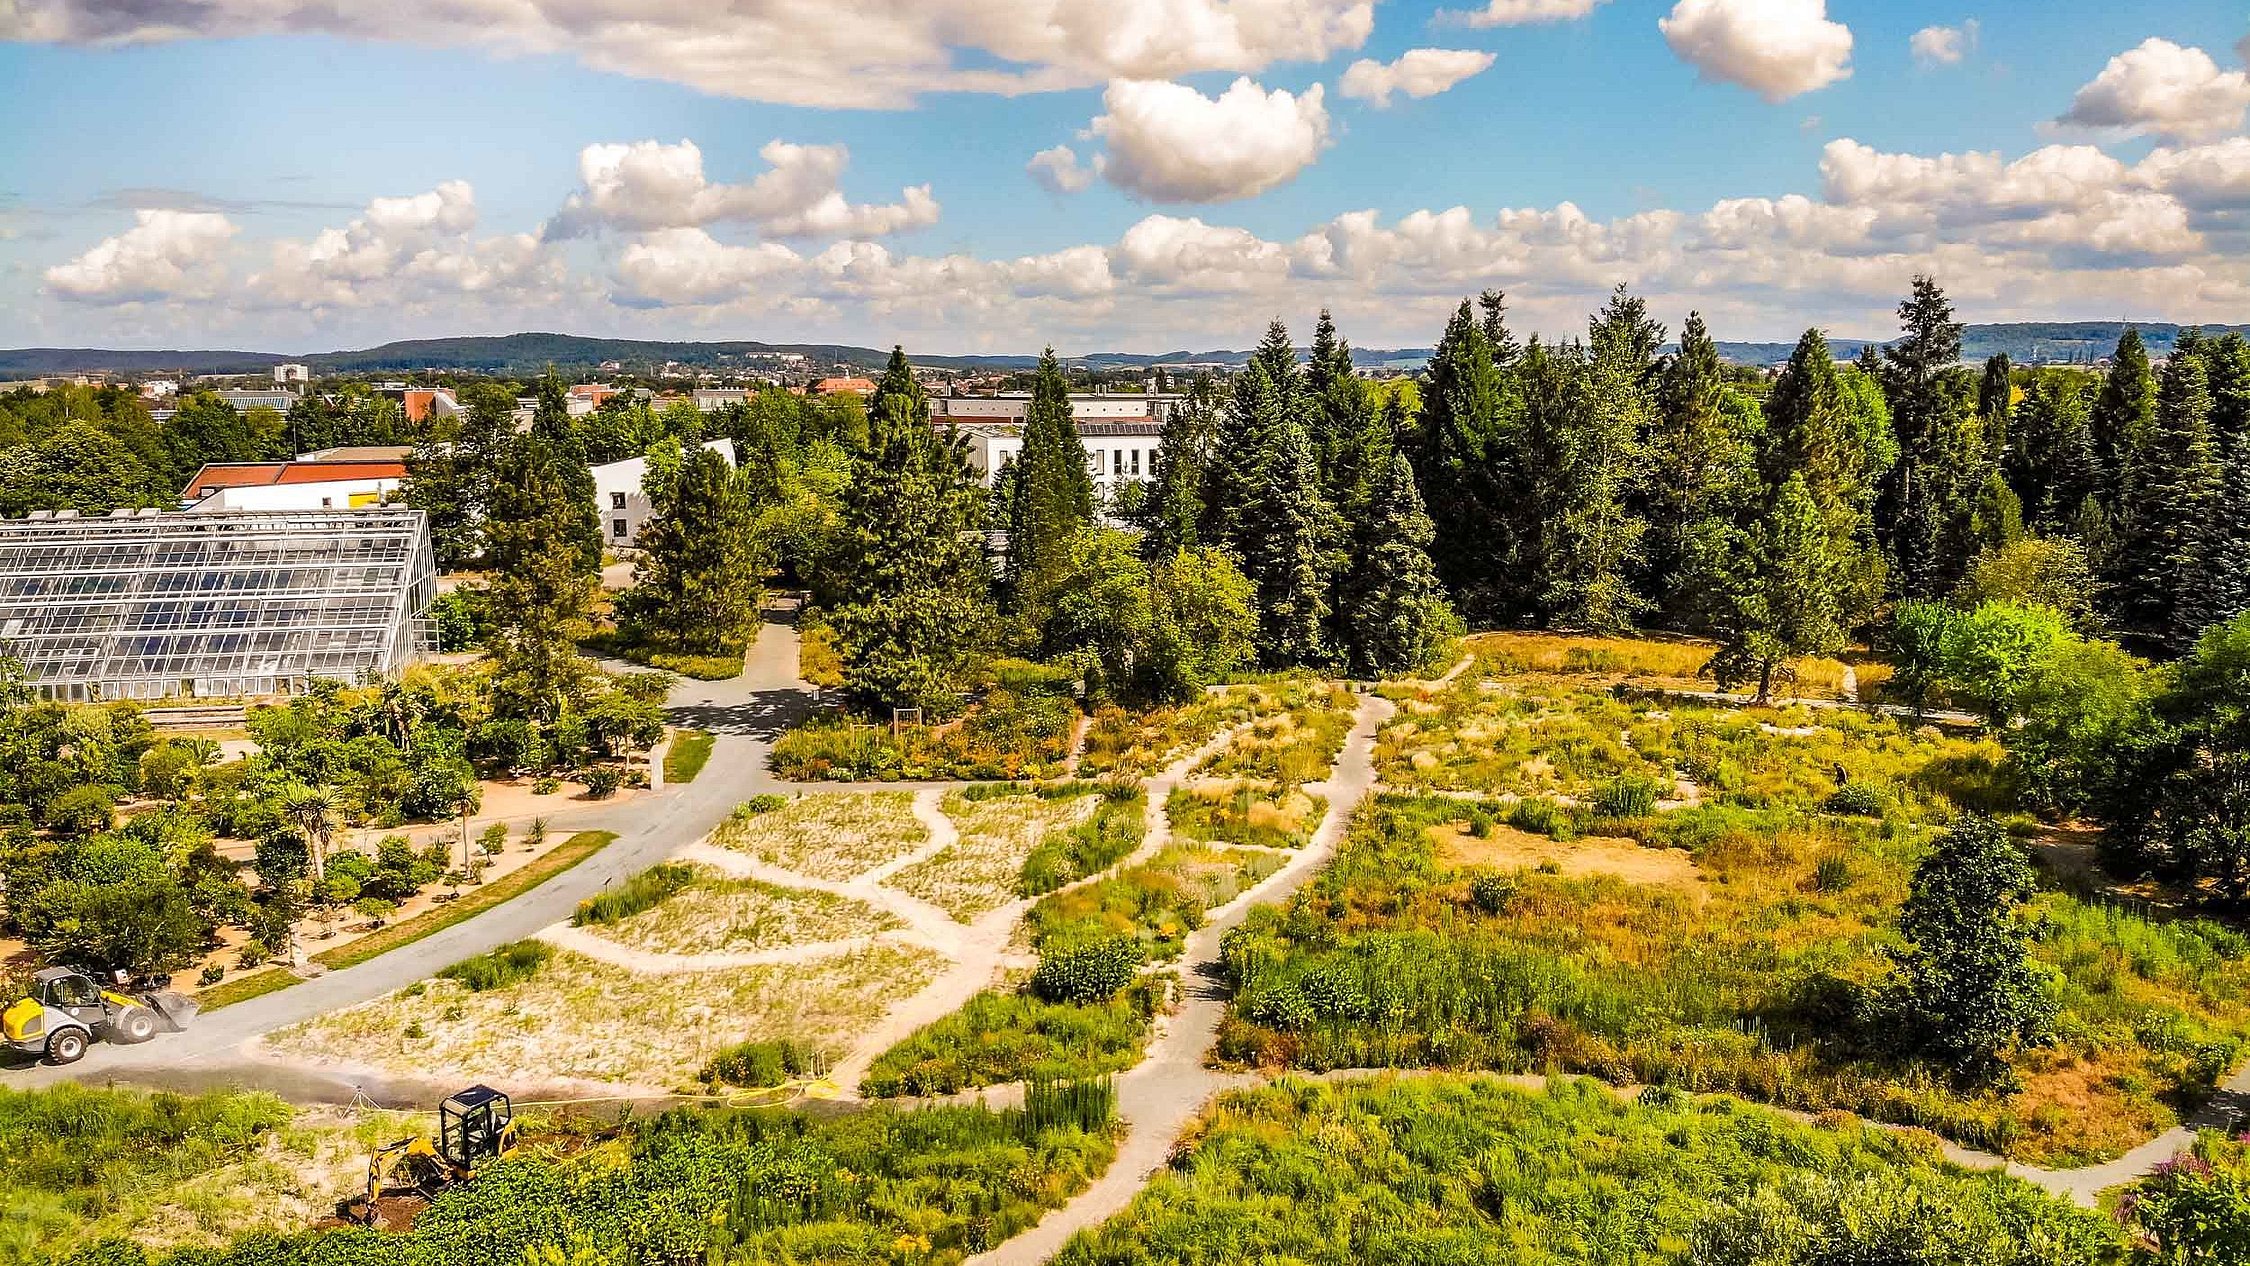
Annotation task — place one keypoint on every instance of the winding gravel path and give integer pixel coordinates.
(1159, 1097)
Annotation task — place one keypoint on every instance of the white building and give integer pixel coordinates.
(1121, 432)
(713, 399)
(283, 375)
(624, 506)
(246, 399)
(340, 479)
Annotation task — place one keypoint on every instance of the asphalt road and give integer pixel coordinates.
(746, 714)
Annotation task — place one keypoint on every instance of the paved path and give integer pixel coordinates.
(1160, 1096)
(746, 714)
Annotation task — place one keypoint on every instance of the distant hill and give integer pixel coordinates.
(2043, 342)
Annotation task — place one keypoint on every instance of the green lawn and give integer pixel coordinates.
(474, 902)
(690, 751)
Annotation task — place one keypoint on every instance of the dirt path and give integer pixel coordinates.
(1159, 1097)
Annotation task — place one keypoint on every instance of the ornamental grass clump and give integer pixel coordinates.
(1088, 973)
(642, 892)
(510, 964)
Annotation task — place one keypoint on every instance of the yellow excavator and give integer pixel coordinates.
(475, 1127)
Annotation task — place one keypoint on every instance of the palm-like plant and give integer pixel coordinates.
(313, 811)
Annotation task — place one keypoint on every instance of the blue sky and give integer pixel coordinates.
(163, 187)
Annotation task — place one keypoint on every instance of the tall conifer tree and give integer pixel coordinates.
(914, 593)
(697, 582)
(1927, 503)
(1459, 456)
(1395, 615)
(2163, 577)
(1291, 543)
(1696, 463)
(2125, 407)
(1052, 494)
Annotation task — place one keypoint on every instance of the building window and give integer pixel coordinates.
(617, 501)
(1136, 462)
(1117, 461)
(617, 527)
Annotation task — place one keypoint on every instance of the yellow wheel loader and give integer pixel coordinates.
(475, 1128)
(65, 1011)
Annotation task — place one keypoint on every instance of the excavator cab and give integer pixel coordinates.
(475, 1126)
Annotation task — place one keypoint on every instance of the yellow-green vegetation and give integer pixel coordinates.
(721, 667)
(926, 1187)
(826, 836)
(1001, 1037)
(712, 914)
(574, 1017)
(169, 1171)
(1067, 854)
(1735, 950)
(1125, 744)
(1532, 736)
(980, 872)
(471, 903)
(1156, 903)
(1002, 735)
(1454, 1169)
(819, 662)
(1297, 744)
(1671, 663)
(1246, 813)
(243, 988)
(686, 757)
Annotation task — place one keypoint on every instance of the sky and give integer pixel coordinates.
(1120, 175)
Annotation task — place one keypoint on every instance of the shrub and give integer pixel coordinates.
(1629, 797)
(1860, 800)
(1541, 816)
(494, 839)
(510, 964)
(1832, 873)
(757, 1065)
(644, 891)
(766, 802)
(602, 781)
(81, 811)
(1492, 893)
(1004, 1037)
(1089, 973)
(546, 785)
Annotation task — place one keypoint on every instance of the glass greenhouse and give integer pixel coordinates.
(148, 605)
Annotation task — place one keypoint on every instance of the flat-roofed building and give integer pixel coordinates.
(623, 503)
(146, 605)
(311, 482)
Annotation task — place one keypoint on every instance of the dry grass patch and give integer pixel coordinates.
(1294, 746)
(717, 915)
(1245, 813)
(1671, 661)
(580, 1019)
(834, 837)
(1141, 744)
(1506, 848)
(981, 872)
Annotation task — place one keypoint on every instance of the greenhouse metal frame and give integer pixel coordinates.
(226, 604)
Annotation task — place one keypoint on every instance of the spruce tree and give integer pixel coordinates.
(1290, 541)
(450, 474)
(1697, 460)
(2051, 461)
(540, 586)
(1774, 591)
(2125, 407)
(697, 582)
(1396, 617)
(1926, 505)
(1330, 388)
(2228, 362)
(1256, 407)
(1494, 305)
(551, 422)
(1969, 990)
(1587, 572)
(2163, 574)
(1175, 506)
(1052, 497)
(913, 599)
(1996, 402)
(1815, 431)
(1458, 452)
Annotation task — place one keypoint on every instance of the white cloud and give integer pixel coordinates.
(1169, 143)
(1419, 72)
(2162, 89)
(165, 255)
(1058, 171)
(1525, 12)
(406, 252)
(651, 185)
(854, 53)
(689, 266)
(1776, 48)
(1944, 45)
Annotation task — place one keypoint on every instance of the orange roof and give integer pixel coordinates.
(417, 401)
(266, 474)
(861, 385)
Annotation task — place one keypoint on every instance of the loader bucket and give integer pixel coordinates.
(175, 1009)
